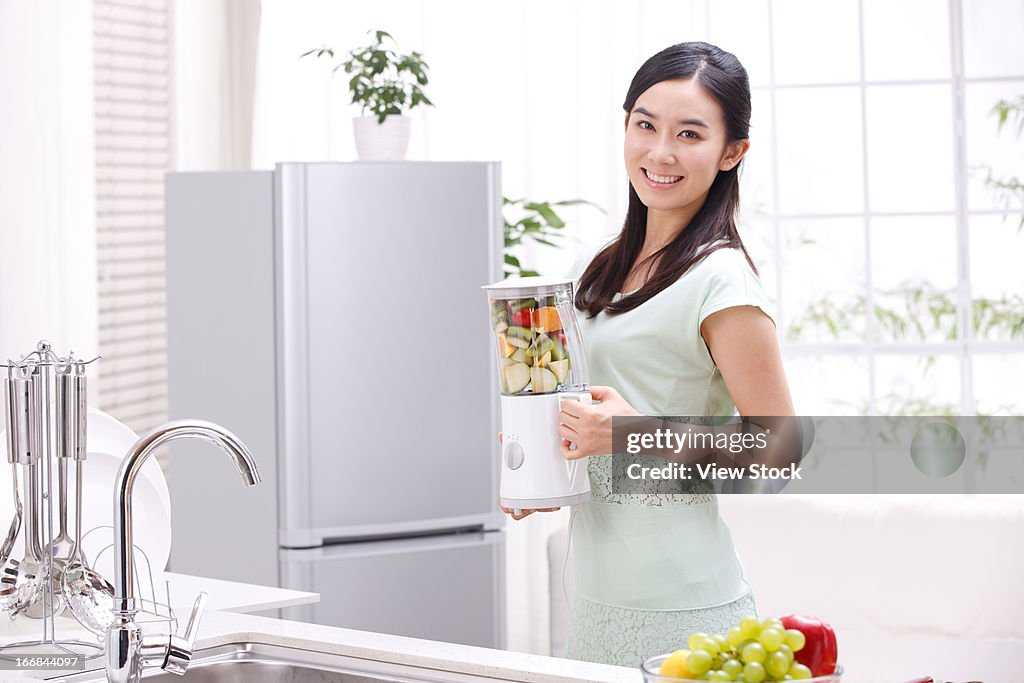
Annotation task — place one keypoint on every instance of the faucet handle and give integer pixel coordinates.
(179, 651)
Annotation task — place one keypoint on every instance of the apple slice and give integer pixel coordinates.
(560, 368)
(519, 356)
(517, 376)
(544, 381)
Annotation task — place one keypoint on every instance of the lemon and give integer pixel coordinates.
(675, 665)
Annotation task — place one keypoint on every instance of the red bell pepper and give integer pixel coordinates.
(820, 652)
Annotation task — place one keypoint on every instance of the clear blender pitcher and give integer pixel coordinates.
(540, 362)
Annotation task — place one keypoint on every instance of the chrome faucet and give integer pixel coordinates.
(126, 654)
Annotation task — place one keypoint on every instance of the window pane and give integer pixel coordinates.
(993, 394)
(844, 393)
(906, 39)
(740, 27)
(910, 148)
(758, 175)
(816, 42)
(992, 38)
(989, 150)
(823, 280)
(997, 252)
(913, 260)
(821, 159)
(917, 385)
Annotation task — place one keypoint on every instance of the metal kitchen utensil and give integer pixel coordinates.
(90, 597)
(16, 418)
(63, 546)
(22, 583)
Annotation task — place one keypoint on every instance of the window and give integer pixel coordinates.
(133, 151)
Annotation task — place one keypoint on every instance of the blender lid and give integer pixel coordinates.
(529, 286)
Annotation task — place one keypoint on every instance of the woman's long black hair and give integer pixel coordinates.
(714, 225)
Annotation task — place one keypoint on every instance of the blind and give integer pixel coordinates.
(133, 151)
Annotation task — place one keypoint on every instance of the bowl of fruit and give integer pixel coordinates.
(793, 648)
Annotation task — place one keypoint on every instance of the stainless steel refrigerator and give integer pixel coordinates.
(330, 314)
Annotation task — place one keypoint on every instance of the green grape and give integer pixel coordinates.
(754, 672)
(750, 627)
(795, 639)
(754, 652)
(799, 672)
(773, 623)
(733, 667)
(771, 638)
(740, 678)
(777, 665)
(694, 640)
(698, 662)
(723, 643)
(788, 651)
(719, 676)
(787, 677)
(709, 645)
(734, 637)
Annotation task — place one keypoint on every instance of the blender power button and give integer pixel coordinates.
(514, 455)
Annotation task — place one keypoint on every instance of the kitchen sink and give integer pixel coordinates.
(249, 662)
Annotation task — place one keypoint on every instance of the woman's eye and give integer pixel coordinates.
(646, 125)
(690, 134)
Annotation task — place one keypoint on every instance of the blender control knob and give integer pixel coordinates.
(514, 455)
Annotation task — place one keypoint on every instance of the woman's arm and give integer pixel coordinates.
(743, 343)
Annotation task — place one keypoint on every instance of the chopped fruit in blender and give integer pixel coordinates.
(522, 318)
(558, 351)
(560, 368)
(544, 344)
(506, 348)
(519, 304)
(519, 336)
(544, 380)
(519, 355)
(517, 376)
(546, 319)
(544, 360)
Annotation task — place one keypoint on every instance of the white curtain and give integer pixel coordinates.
(536, 85)
(215, 70)
(47, 181)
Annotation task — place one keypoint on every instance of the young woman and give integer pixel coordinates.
(675, 322)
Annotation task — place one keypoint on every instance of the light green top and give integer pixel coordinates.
(656, 551)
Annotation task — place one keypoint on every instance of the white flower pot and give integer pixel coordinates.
(386, 141)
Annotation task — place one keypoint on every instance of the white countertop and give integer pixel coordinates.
(225, 623)
(221, 628)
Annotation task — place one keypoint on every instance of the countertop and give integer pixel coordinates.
(220, 626)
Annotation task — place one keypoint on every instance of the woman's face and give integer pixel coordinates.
(676, 143)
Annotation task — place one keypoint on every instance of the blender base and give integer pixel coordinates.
(538, 503)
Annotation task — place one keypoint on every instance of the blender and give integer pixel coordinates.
(540, 362)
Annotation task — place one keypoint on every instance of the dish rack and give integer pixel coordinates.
(46, 417)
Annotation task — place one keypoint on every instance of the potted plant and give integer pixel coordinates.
(385, 84)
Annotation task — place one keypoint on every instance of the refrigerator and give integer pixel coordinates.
(330, 315)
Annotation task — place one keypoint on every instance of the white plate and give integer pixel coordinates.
(108, 440)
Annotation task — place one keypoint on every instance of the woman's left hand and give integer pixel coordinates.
(590, 427)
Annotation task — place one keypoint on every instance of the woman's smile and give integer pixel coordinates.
(661, 182)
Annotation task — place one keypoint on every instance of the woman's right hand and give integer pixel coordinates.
(522, 513)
